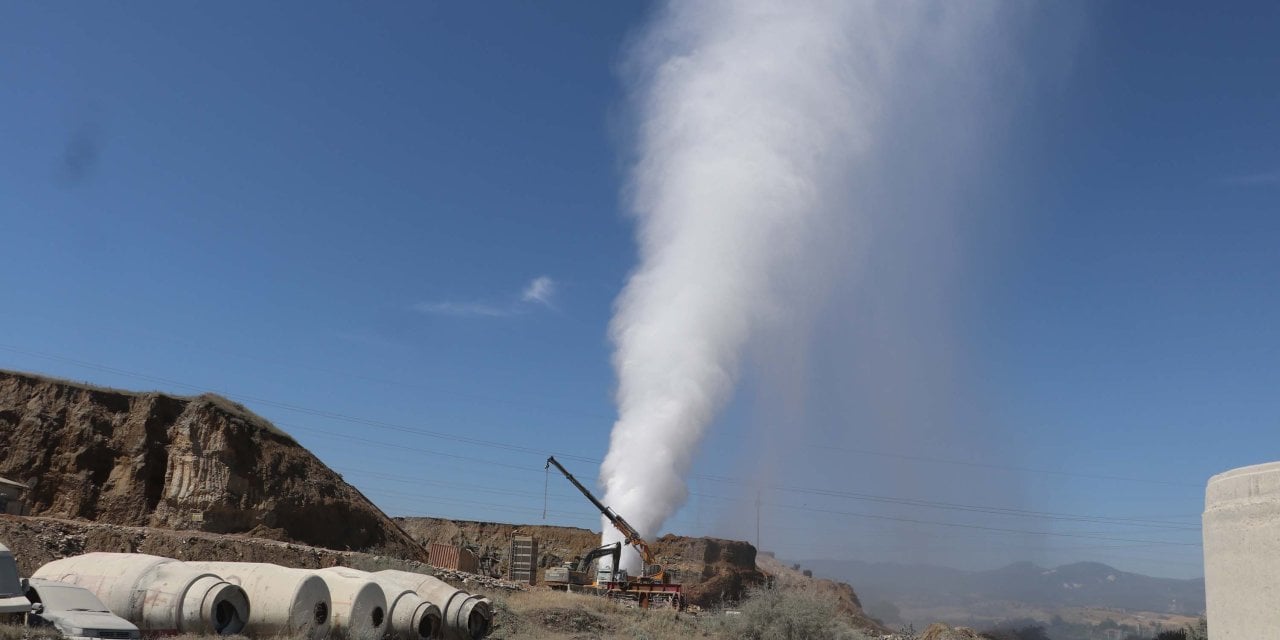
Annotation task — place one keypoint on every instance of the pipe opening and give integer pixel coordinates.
(377, 616)
(226, 618)
(321, 613)
(477, 625)
(429, 625)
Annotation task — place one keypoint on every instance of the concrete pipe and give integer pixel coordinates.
(157, 594)
(466, 616)
(359, 607)
(286, 602)
(1242, 552)
(409, 616)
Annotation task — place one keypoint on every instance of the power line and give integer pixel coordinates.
(987, 465)
(981, 527)
(521, 449)
(516, 448)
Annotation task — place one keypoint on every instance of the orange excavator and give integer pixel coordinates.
(652, 586)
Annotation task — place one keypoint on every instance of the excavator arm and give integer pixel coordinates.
(629, 533)
(614, 550)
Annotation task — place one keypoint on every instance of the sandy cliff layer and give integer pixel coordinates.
(200, 463)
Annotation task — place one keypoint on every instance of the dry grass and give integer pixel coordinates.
(771, 614)
(797, 612)
(21, 632)
(553, 615)
(780, 614)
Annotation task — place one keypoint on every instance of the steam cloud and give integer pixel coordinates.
(758, 124)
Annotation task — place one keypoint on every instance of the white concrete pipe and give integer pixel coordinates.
(1242, 553)
(466, 616)
(409, 616)
(359, 607)
(286, 602)
(157, 594)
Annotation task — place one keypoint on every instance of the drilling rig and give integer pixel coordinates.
(650, 588)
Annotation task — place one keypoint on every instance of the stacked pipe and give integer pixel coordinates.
(466, 616)
(409, 617)
(286, 602)
(156, 594)
(359, 605)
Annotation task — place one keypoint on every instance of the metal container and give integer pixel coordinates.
(524, 560)
(447, 556)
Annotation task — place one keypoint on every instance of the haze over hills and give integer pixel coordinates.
(1083, 584)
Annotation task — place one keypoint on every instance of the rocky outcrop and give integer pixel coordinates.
(939, 631)
(187, 463)
(713, 570)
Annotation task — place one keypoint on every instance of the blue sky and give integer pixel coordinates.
(341, 215)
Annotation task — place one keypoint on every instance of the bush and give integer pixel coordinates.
(793, 613)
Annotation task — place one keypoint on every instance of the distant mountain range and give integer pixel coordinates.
(1084, 584)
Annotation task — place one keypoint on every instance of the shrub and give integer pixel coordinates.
(793, 613)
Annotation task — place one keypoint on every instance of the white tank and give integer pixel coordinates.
(359, 607)
(466, 616)
(286, 602)
(157, 594)
(409, 616)
(1242, 553)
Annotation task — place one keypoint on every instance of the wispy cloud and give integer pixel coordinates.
(540, 291)
(1255, 179)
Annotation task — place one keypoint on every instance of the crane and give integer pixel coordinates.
(653, 571)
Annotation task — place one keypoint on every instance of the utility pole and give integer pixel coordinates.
(757, 519)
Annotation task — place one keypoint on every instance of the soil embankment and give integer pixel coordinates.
(199, 463)
(37, 540)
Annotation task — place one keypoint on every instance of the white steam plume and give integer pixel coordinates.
(755, 121)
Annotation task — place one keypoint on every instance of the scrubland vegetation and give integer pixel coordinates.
(767, 614)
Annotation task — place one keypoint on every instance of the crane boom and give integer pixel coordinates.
(629, 533)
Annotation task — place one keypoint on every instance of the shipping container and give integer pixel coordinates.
(447, 556)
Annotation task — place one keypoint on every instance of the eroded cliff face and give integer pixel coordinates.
(203, 463)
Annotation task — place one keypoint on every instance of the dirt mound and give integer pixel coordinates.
(188, 463)
(493, 539)
(712, 570)
(571, 620)
(847, 602)
(36, 541)
(939, 631)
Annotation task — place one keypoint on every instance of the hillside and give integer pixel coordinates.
(187, 463)
(921, 591)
